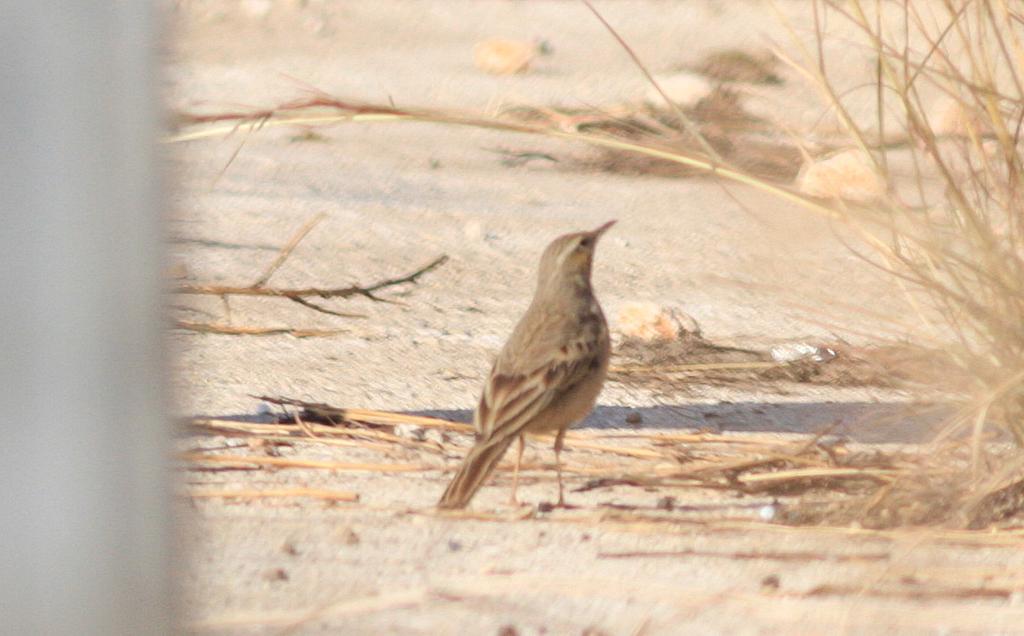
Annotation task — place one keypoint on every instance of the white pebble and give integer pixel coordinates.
(849, 175)
(684, 89)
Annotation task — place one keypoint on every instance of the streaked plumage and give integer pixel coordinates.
(551, 370)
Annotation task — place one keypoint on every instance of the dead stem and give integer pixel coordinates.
(286, 251)
(367, 291)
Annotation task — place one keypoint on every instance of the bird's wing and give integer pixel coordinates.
(511, 400)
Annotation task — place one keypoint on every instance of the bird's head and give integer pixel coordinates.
(569, 258)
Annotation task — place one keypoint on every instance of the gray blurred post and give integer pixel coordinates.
(83, 481)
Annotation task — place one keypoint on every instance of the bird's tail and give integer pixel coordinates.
(474, 471)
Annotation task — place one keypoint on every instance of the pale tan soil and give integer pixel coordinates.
(398, 195)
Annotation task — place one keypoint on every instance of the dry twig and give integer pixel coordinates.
(299, 296)
(366, 291)
(286, 251)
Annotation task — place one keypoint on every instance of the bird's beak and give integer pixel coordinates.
(604, 228)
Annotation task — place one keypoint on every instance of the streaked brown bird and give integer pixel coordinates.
(549, 373)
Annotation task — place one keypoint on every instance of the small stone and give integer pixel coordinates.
(473, 230)
(650, 321)
(277, 574)
(454, 546)
(289, 548)
(410, 431)
(948, 117)
(771, 582)
(667, 503)
(504, 57)
(792, 352)
(850, 175)
(256, 8)
(683, 89)
(349, 537)
(634, 417)
(508, 630)
(268, 447)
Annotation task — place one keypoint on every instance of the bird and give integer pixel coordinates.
(549, 373)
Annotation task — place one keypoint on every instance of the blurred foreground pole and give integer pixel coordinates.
(83, 483)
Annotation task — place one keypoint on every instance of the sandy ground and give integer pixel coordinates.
(395, 197)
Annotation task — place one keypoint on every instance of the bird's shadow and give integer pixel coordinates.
(866, 422)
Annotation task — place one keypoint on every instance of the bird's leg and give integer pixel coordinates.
(558, 464)
(515, 475)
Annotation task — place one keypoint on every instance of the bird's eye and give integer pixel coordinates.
(586, 242)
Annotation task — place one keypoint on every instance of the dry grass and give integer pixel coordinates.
(299, 296)
(815, 481)
(958, 249)
(691, 361)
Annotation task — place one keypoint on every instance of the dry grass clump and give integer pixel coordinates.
(931, 490)
(952, 232)
(961, 243)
